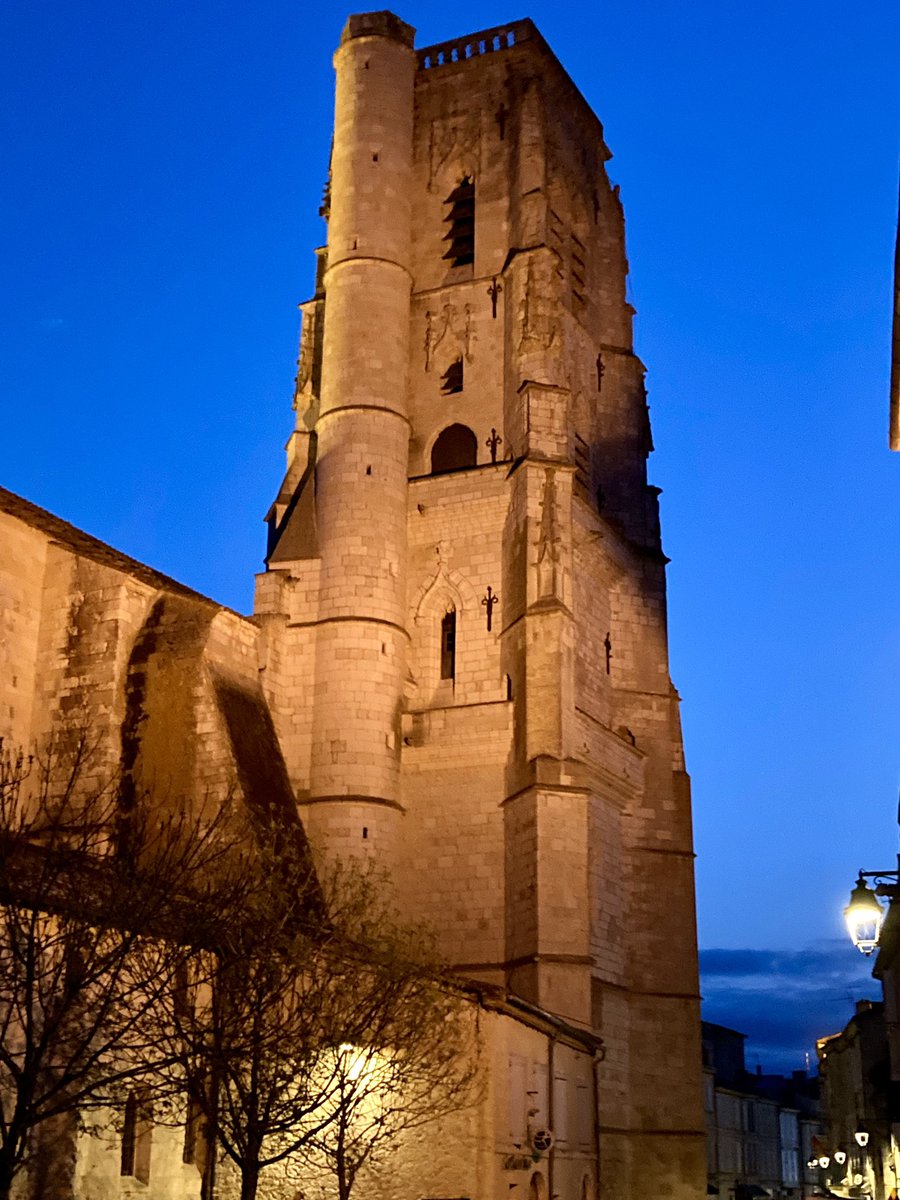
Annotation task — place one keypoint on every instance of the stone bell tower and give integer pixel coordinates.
(463, 611)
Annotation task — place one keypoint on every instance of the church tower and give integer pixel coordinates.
(463, 613)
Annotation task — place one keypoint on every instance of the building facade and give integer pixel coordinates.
(761, 1129)
(457, 662)
(856, 1097)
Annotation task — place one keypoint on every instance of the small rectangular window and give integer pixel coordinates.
(194, 1149)
(137, 1134)
(128, 1135)
(517, 1100)
(448, 645)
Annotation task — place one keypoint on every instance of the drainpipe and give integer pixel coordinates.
(597, 1062)
(551, 1116)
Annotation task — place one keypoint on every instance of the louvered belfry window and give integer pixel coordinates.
(461, 219)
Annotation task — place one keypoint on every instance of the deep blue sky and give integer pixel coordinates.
(162, 168)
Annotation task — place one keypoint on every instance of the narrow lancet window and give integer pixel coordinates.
(448, 645)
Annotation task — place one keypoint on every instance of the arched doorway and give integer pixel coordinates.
(455, 449)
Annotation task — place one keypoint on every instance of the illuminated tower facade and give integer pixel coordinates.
(463, 614)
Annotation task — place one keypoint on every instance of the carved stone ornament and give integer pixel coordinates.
(548, 545)
(518, 1162)
(538, 325)
(468, 333)
(457, 140)
(436, 326)
(453, 322)
(305, 357)
(445, 586)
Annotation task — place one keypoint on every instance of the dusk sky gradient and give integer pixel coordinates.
(162, 170)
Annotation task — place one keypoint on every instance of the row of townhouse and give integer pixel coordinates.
(762, 1130)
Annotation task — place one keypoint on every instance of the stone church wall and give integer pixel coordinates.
(456, 668)
(95, 644)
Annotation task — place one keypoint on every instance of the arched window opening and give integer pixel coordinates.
(448, 644)
(456, 449)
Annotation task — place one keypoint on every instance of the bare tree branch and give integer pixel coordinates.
(91, 939)
(328, 1037)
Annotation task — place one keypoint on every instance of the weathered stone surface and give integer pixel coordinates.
(527, 790)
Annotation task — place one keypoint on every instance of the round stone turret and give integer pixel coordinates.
(363, 439)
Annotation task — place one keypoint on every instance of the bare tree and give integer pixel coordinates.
(416, 1064)
(310, 982)
(94, 911)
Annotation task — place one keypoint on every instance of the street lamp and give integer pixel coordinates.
(840, 1157)
(862, 1137)
(824, 1161)
(864, 915)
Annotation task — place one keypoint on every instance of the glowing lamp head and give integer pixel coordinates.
(824, 1161)
(864, 916)
(812, 1163)
(840, 1157)
(862, 1137)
